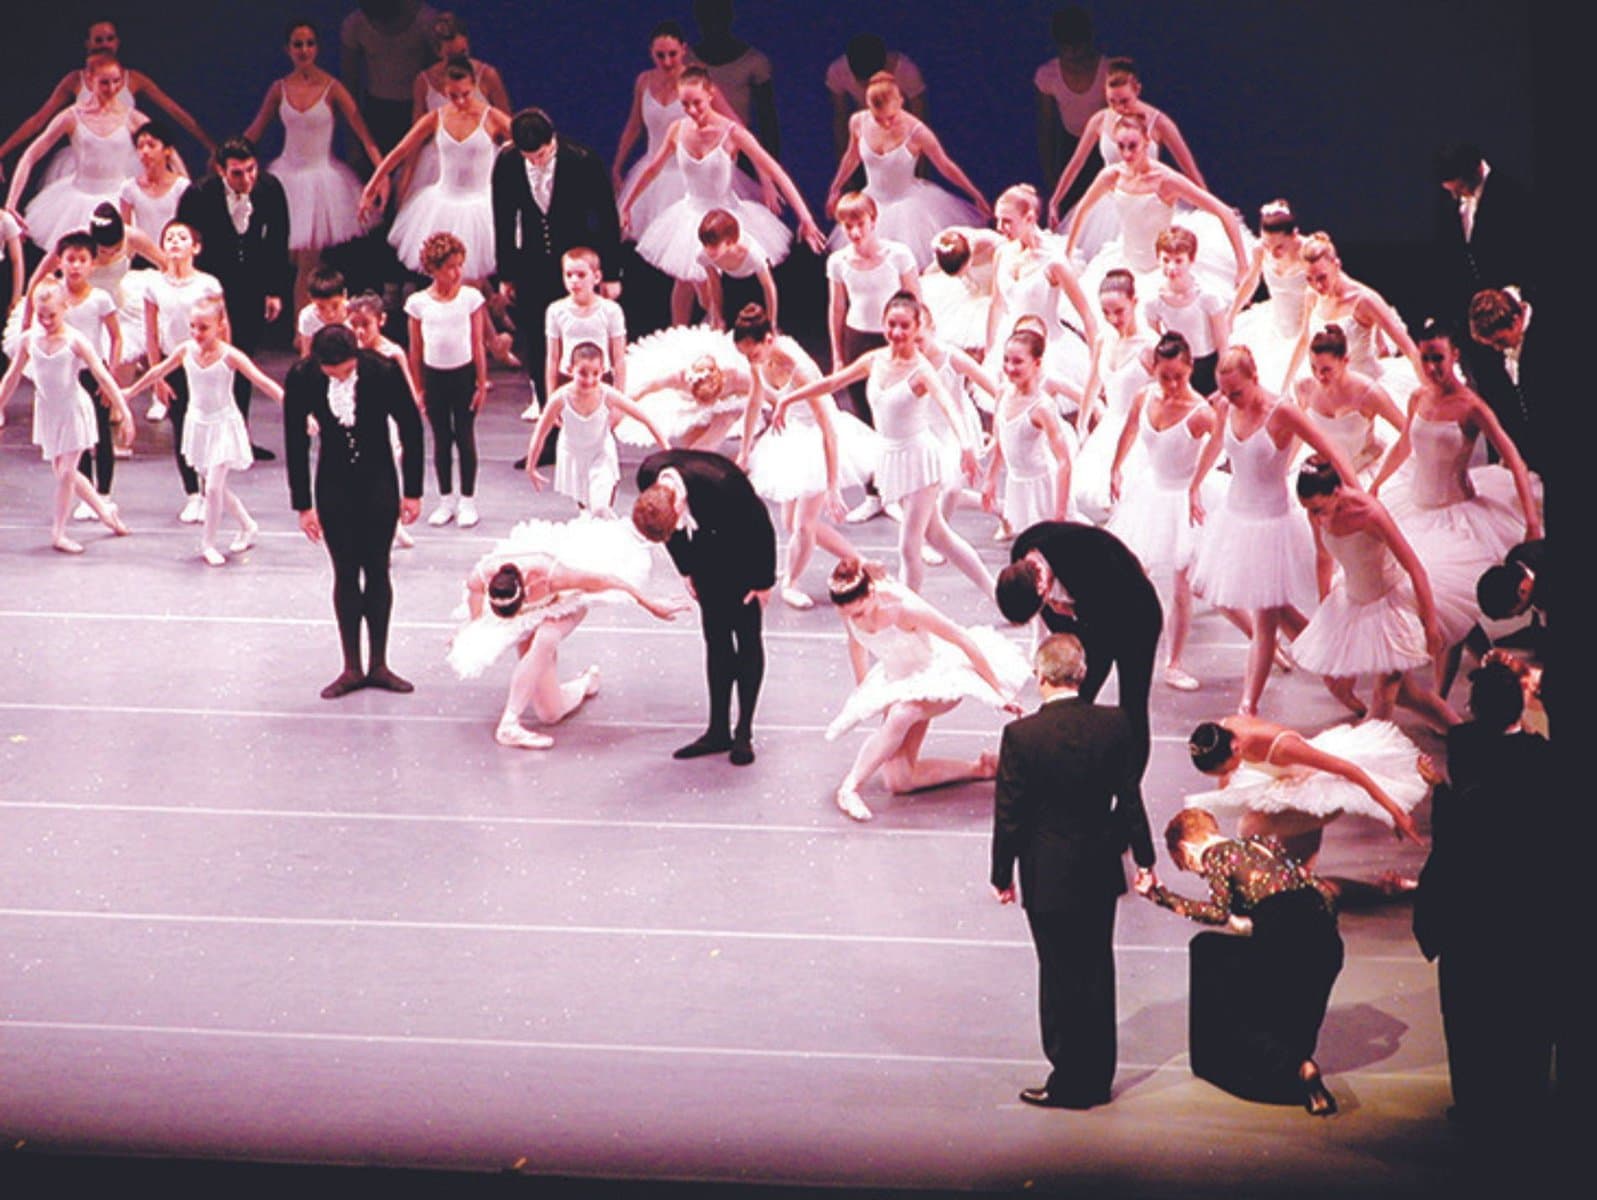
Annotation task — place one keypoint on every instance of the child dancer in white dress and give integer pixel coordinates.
(1184, 305)
(587, 465)
(925, 665)
(53, 353)
(214, 438)
(1029, 440)
(1172, 424)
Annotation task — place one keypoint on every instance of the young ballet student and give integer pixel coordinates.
(1183, 305)
(92, 312)
(449, 356)
(53, 353)
(583, 315)
(214, 441)
(587, 464)
(149, 199)
(328, 305)
(729, 255)
(1029, 440)
(169, 299)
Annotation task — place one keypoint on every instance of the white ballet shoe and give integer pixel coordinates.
(852, 806)
(84, 513)
(245, 538)
(66, 545)
(863, 511)
(794, 598)
(930, 557)
(444, 513)
(894, 511)
(531, 413)
(193, 511)
(402, 538)
(1175, 677)
(213, 557)
(156, 411)
(466, 515)
(590, 683)
(518, 737)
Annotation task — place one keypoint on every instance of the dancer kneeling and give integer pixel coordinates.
(531, 591)
(1267, 997)
(925, 666)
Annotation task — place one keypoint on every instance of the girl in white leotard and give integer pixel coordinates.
(909, 470)
(215, 441)
(1032, 444)
(1270, 327)
(449, 40)
(1345, 403)
(1124, 365)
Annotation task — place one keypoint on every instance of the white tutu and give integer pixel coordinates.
(671, 241)
(1251, 561)
(906, 465)
(659, 356)
(220, 441)
(1155, 523)
(435, 210)
(1215, 266)
(1257, 328)
(1344, 638)
(1089, 480)
(915, 218)
(790, 463)
(959, 308)
(65, 426)
(604, 546)
(1491, 520)
(932, 669)
(61, 207)
(323, 202)
(1379, 747)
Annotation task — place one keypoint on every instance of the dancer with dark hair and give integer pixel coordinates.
(719, 535)
(357, 498)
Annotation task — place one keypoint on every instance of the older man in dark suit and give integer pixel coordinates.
(352, 394)
(719, 535)
(1067, 805)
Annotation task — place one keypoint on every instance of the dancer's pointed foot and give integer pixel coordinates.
(114, 522)
(707, 744)
(382, 677)
(518, 737)
(246, 537)
(853, 807)
(347, 682)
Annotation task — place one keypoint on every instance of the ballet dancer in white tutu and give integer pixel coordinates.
(1032, 277)
(1031, 444)
(1270, 327)
(925, 664)
(1346, 404)
(957, 288)
(1123, 364)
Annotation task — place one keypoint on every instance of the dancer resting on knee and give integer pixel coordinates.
(925, 665)
(531, 592)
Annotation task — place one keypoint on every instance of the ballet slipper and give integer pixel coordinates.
(245, 538)
(213, 557)
(518, 737)
(1175, 677)
(930, 557)
(114, 522)
(853, 807)
(590, 683)
(66, 545)
(794, 598)
(347, 681)
(386, 680)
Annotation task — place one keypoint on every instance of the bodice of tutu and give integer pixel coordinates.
(899, 652)
(657, 120)
(707, 180)
(1360, 339)
(1124, 373)
(1025, 449)
(1368, 568)
(1172, 453)
(101, 159)
(900, 413)
(1441, 463)
(1143, 216)
(307, 135)
(1289, 291)
(466, 165)
(1349, 432)
(1258, 471)
(889, 176)
(1030, 294)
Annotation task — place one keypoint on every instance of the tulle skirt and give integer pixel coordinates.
(1491, 521)
(597, 545)
(1344, 638)
(1030, 499)
(1089, 481)
(790, 463)
(61, 207)
(1215, 268)
(1252, 561)
(915, 218)
(661, 355)
(1391, 760)
(947, 676)
(671, 240)
(323, 203)
(216, 441)
(64, 426)
(1155, 522)
(467, 215)
(959, 314)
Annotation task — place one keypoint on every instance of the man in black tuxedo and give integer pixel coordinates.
(1068, 803)
(1500, 325)
(352, 393)
(1085, 581)
(550, 195)
(241, 216)
(720, 537)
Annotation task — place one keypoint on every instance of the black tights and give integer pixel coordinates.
(178, 410)
(103, 456)
(359, 547)
(449, 395)
(734, 656)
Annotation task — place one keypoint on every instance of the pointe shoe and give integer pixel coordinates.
(930, 557)
(466, 515)
(245, 538)
(66, 545)
(193, 511)
(519, 737)
(794, 598)
(866, 509)
(1175, 677)
(444, 513)
(530, 413)
(894, 511)
(213, 557)
(852, 806)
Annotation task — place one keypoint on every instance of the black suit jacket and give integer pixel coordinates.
(1112, 592)
(1501, 249)
(359, 461)
(734, 548)
(1067, 804)
(528, 242)
(252, 265)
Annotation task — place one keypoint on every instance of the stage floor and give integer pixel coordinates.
(241, 922)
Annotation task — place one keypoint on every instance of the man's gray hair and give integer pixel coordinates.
(1060, 661)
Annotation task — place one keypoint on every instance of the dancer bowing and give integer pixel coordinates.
(958, 288)
(532, 591)
(719, 536)
(925, 665)
(1362, 313)
(889, 143)
(353, 394)
(803, 465)
(704, 145)
(900, 382)
(1257, 556)
(1172, 424)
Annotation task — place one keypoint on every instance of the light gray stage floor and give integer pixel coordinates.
(243, 922)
